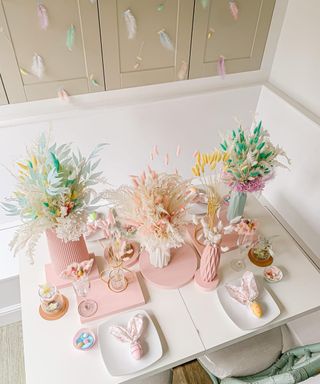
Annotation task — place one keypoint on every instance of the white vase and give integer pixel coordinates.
(159, 257)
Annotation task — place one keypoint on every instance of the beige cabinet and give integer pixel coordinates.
(3, 96)
(217, 34)
(157, 52)
(76, 68)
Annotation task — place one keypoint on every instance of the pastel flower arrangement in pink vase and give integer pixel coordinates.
(156, 207)
(250, 160)
(54, 195)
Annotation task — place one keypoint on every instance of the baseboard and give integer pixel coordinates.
(10, 314)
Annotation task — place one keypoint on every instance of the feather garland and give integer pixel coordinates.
(234, 9)
(63, 94)
(43, 16)
(94, 82)
(70, 37)
(37, 68)
(182, 73)
(24, 72)
(165, 40)
(221, 67)
(131, 23)
(204, 3)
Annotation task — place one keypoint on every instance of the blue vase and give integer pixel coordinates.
(236, 204)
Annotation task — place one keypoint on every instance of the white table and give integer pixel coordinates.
(189, 321)
(297, 294)
(50, 356)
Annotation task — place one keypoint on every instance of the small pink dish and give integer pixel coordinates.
(84, 339)
(272, 274)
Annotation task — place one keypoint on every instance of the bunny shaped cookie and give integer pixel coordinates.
(131, 334)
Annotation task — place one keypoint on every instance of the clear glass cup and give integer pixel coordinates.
(51, 299)
(244, 244)
(87, 307)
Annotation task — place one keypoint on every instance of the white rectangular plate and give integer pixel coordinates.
(241, 315)
(116, 355)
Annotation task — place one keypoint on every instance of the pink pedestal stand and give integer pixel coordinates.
(205, 286)
(111, 302)
(54, 279)
(180, 270)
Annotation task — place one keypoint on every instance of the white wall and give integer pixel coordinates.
(294, 194)
(193, 122)
(296, 62)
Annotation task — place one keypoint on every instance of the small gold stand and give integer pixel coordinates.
(56, 315)
(259, 262)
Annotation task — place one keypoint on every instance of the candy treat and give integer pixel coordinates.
(130, 334)
(247, 293)
(256, 309)
(84, 340)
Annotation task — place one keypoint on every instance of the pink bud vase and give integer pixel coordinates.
(207, 275)
(63, 253)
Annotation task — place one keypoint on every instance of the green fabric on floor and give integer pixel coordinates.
(11, 354)
(294, 366)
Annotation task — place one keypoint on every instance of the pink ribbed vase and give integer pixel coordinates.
(209, 264)
(63, 253)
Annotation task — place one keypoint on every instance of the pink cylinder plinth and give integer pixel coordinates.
(63, 254)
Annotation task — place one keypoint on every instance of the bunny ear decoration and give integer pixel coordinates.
(247, 291)
(130, 335)
(135, 326)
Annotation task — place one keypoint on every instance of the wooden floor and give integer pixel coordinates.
(11, 354)
(190, 373)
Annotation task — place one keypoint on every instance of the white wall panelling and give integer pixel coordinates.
(295, 68)
(295, 193)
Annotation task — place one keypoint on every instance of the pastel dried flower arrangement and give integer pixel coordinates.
(207, 170)
(156, 206)
(54, 191)
(250, 159)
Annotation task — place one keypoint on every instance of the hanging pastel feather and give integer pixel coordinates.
(210, 33)
(166, 159)
(63, 94)
(182, 73)
(165, 40)
(221, 67)
(131, 23)
(70, 37)
(37, 67)
(204, 3)
(234, 9)
(43, 16)
(93, 81)
(24, 72)
(178, 150)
